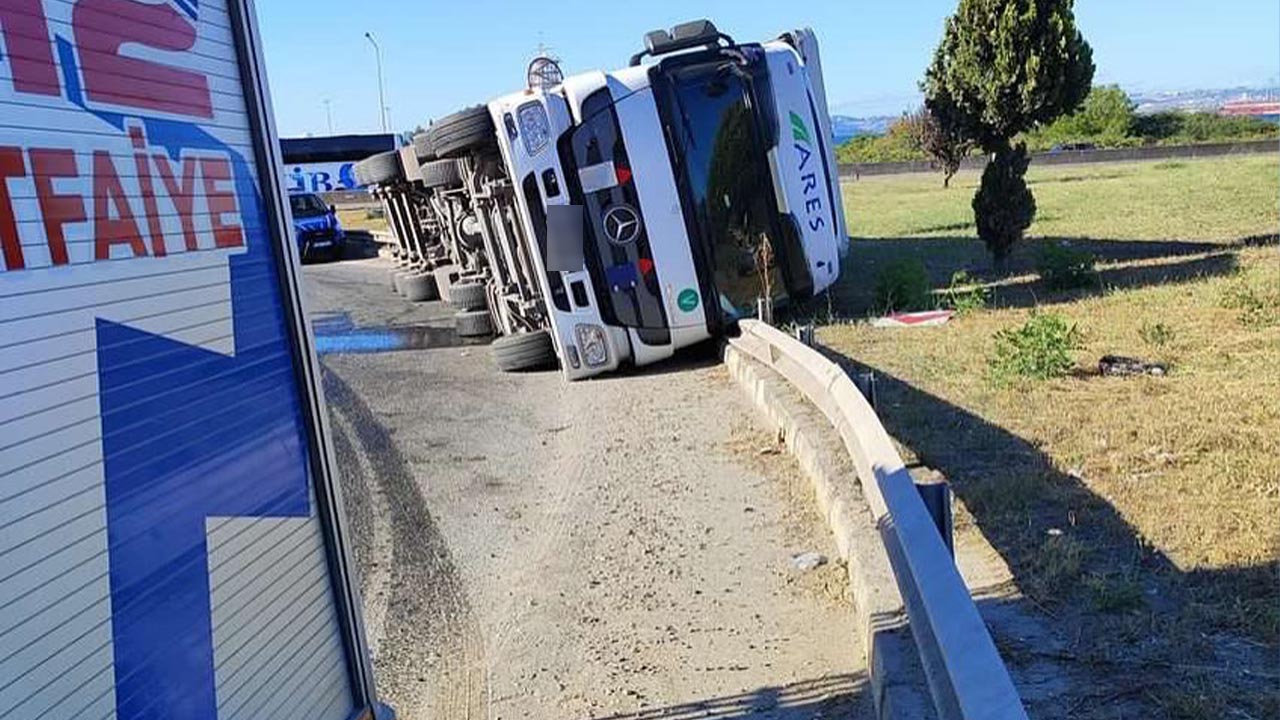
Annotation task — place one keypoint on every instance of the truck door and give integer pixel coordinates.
(170, 535)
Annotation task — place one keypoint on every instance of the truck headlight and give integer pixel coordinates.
(534, 126)
(595, 351)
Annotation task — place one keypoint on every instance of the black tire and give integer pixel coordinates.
(420, 287)
(463, 133)
(441, 174)
(422, 146)
(379, 169)
(473, 323)
(469, 295)
(525, 351)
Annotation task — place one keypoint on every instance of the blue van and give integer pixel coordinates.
(316, 228)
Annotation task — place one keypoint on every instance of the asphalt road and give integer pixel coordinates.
(617, 548)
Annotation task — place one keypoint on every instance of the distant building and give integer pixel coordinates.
(327, 164)
(1265, 109)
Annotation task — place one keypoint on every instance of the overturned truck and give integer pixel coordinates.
(616, 217)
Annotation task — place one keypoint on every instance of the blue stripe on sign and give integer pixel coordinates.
(190, 7)
(189, 434)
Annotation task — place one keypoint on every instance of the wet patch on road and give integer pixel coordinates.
(336, 334)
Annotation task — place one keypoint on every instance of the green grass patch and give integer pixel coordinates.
(1213, 199)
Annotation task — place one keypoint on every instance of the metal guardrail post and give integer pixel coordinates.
(804, 333)
(936, 494)
(866, 384)
(764, 310)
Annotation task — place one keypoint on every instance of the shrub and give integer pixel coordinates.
(903, 285)
(965, 295)
(1257, 309)
(1155, 334)
(1063, 267)
(1115, 592)
(1040, 349)
(1003, 207)
(1055, 568)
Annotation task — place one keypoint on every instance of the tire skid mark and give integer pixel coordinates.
(430, 631)
(378, 548)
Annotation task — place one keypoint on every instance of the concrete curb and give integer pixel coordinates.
(899, 688)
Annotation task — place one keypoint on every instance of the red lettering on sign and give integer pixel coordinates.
(102, 26)
(57, 209)
(183, 196)
(148, 192)
(215, 170)
(108, 230)
(27, 47)
(11, 166)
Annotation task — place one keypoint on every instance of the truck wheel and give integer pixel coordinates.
(463, 133)
(469, 295)
(441, 174)
(380, 168)
(446, 276)
(419, 287)
(473, 323)
(422, 146)
(525, 351)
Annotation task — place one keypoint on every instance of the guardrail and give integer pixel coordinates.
(1068, 157)
(967, 678)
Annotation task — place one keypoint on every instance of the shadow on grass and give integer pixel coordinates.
(1121, 610)
(838, 696)
(1120, 266)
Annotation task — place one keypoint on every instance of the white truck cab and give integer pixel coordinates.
(705, 179)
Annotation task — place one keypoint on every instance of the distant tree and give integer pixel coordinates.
(942, 144)
(1106, 118)
(1005, 67)
(899, 142)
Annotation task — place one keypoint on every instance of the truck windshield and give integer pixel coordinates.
(719, 157)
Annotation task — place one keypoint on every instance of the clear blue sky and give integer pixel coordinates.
(441, 55)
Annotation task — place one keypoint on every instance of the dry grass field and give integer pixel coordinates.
(1143, 512)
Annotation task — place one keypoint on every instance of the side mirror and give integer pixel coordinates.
(333, 209)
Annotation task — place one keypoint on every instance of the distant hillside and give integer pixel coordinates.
(1198, 100)
(844, 128)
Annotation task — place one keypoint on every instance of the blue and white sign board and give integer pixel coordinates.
(320, 177)
(169, 538)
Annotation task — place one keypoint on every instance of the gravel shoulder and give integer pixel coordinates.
(614, 548)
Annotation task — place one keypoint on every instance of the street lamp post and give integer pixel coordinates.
(328, 113)
(382, 100)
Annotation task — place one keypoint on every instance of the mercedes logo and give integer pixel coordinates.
(621, 224)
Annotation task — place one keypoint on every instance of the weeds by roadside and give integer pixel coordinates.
(903, 286)
(1040, 349)
(1063, 267)
(1258, 308)
(1155, 334)
(965, 295)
